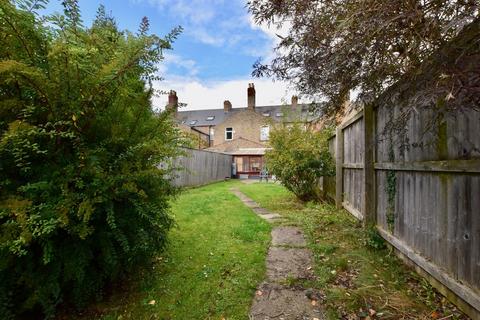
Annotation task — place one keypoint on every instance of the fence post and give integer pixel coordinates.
(369, 200)
(339, 167)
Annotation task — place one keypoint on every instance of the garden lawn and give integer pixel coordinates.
(215, 259)
(358, 275)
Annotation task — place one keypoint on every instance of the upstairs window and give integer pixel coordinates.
(279, 114)
(266, 114)
(264, 133)
(228, 133)
(210, 118)
(193, 122)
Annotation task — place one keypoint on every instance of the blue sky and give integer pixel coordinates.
(212, 59)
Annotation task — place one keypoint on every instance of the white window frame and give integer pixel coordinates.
(264, 133)
(229, 131)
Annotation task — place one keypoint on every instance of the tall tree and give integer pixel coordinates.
(334, 46)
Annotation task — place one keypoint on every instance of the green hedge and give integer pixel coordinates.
(81, 200)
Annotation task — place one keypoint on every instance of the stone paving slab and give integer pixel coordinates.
(260, 210)
(288, 236)
(274, 301)
(284, 263)
(251, 204)
(271, 217)
(241, 195)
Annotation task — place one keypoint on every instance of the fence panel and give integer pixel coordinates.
(428, 188)
(198, 167)
(426, 197)
(353, 157)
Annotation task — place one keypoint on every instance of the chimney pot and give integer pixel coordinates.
(251, 96)
(227, 106)
(172, 101)
(294, 101)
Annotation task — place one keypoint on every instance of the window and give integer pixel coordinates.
(193, 122)
(266, 114)
(279, 114)
(228, 133)
(210, 118)
(264, 133)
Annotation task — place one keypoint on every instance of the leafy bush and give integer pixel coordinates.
(81, 200)
(299, 157)
(373, 239)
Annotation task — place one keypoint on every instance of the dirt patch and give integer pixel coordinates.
(346, 279)
(288, 236)
(249, 181)
(273, 301)
(283, 263)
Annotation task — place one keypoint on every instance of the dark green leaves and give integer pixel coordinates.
(81, 200)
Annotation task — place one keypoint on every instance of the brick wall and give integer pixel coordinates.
(245, 124)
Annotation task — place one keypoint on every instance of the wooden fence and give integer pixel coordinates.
(413, 171)
(424, 197)
(199, 167)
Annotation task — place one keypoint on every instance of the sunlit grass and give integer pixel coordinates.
(214, 262)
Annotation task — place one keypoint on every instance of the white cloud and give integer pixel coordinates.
(202, 35)
(213, 22)
(194, 15)
(198, 95)
(189, 66)
(273, 31)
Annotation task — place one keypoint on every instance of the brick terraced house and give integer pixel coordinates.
(241, 132)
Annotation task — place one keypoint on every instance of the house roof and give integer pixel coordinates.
(213, 117)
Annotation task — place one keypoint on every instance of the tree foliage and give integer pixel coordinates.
(81, 200)
(334, 46)
(299, 157)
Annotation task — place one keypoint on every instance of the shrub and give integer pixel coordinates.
(373, 239)
(299, 157)
(81, 200)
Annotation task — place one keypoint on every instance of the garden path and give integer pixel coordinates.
(288, 262)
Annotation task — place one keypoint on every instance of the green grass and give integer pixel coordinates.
(353, 276)
(214, 262)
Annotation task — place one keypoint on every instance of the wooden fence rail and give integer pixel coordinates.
(426, 206)
(413, 170)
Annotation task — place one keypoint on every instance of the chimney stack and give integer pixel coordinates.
(294, 101)
(172, 101)
(227, 106)
(251, 96)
